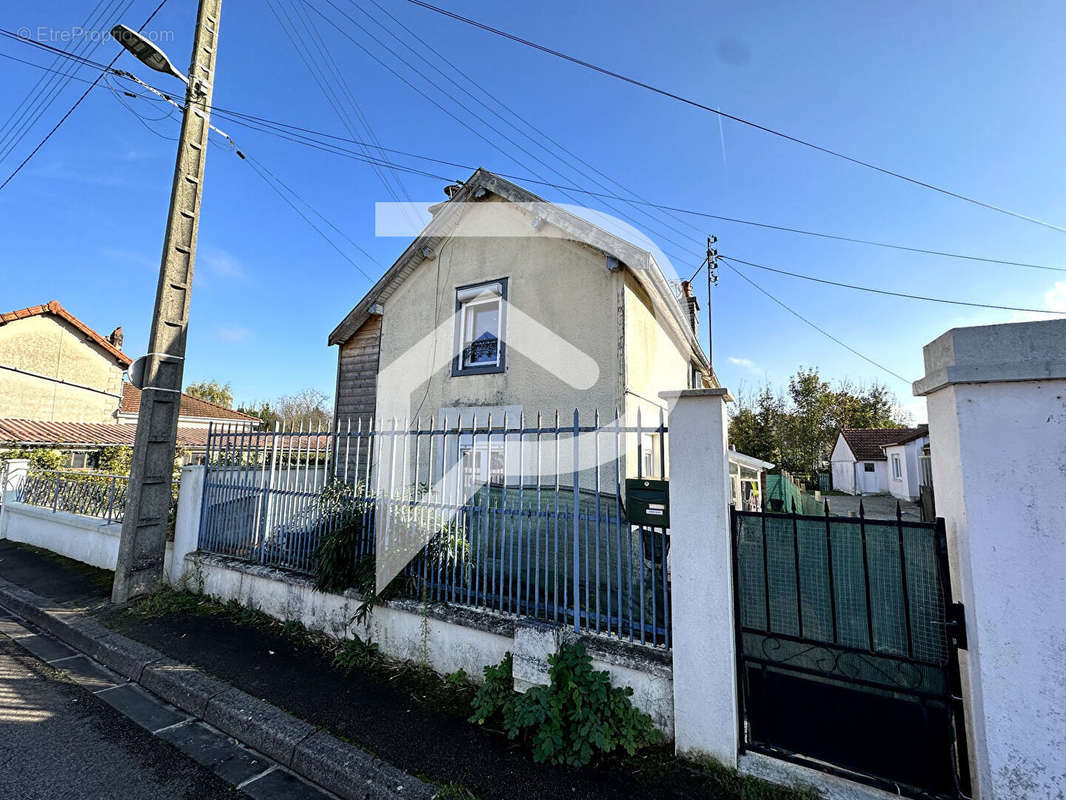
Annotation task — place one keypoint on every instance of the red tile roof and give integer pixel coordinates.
(190, 406)
(25, 431)
(866, 443)
(53, 307)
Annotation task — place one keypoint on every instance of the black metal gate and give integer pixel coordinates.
(847, 649)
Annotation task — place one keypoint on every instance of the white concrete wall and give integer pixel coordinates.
(86, 539)
(89, 540)
(996, 397)
(905, 487)
(448, 639)
(844, 476)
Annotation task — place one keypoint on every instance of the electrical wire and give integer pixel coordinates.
(815, 326)
(757, 126)
(888, 292)
(44, 93)
(235, 115)
(77, 103)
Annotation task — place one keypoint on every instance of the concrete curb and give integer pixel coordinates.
(314, 753)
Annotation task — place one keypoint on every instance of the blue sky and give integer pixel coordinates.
(960, 94)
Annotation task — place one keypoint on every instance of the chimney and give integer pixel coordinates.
(692, 307)
(116, 338)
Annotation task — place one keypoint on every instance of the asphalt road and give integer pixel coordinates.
(60, 742)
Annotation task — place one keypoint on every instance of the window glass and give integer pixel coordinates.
(868, 466)
(481, 344)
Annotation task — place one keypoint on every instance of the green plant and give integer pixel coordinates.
(356, 654)
(577, 716)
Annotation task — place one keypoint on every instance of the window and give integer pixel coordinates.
(868, 466)
(649, 456)
(482, 464)
(897, 467)
(480, 319)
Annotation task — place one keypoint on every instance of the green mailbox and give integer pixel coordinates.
(648, 502)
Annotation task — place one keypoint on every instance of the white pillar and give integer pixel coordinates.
(187, 523)
(996, 397)
(705, 685)
(11, 478)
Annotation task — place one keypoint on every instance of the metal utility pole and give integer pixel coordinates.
(144, 529)
(712, 280)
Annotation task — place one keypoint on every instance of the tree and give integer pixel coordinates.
(755, 426)
(797, 432)
(212, 391)
(114, 459)
(262, 410)
(309, 408)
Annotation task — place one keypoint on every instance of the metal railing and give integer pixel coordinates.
(86, 493)
(89, 494)
(525, 518)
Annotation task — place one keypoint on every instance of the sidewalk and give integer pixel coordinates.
(415, 722)
(249, 743)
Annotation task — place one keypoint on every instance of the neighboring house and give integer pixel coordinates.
(507, 304)
(862, 464)
(54, 367)
(194, 412)
(61, 386)
(904, 475)
(81, 440)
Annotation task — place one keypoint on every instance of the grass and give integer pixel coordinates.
(453, 694)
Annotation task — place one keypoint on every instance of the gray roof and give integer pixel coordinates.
(482, 182)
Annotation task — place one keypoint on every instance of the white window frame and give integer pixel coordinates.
(467, 300)
(897, 467)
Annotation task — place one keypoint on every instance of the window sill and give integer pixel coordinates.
(485, 370)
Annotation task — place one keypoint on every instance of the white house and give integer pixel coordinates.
(878, 460)
(902, 460)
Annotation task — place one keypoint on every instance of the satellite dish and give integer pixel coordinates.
(135, 372)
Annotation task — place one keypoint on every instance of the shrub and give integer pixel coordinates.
(576, 717)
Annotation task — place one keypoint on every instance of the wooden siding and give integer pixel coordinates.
(357, 381)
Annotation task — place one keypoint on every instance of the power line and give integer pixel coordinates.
(77, 103)
(816, 327)
(765, 129)
(636, 200)
(47, 89)
(888, 292)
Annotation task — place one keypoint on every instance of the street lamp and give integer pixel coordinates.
(146, 51)
(144, 528)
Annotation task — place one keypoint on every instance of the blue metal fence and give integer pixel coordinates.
(523, 517)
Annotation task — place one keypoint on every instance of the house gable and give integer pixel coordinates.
(549, 220)
(54, 367)
(841, 451)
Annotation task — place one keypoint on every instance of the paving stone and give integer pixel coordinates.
(141, 707)
(221, 754)
(280, 784)
(45, 647)
(89, 674)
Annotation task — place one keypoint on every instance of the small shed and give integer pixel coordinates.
(745, 480)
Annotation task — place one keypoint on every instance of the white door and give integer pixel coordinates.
(869, 478)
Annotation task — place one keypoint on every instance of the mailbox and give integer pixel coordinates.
(648, 502)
